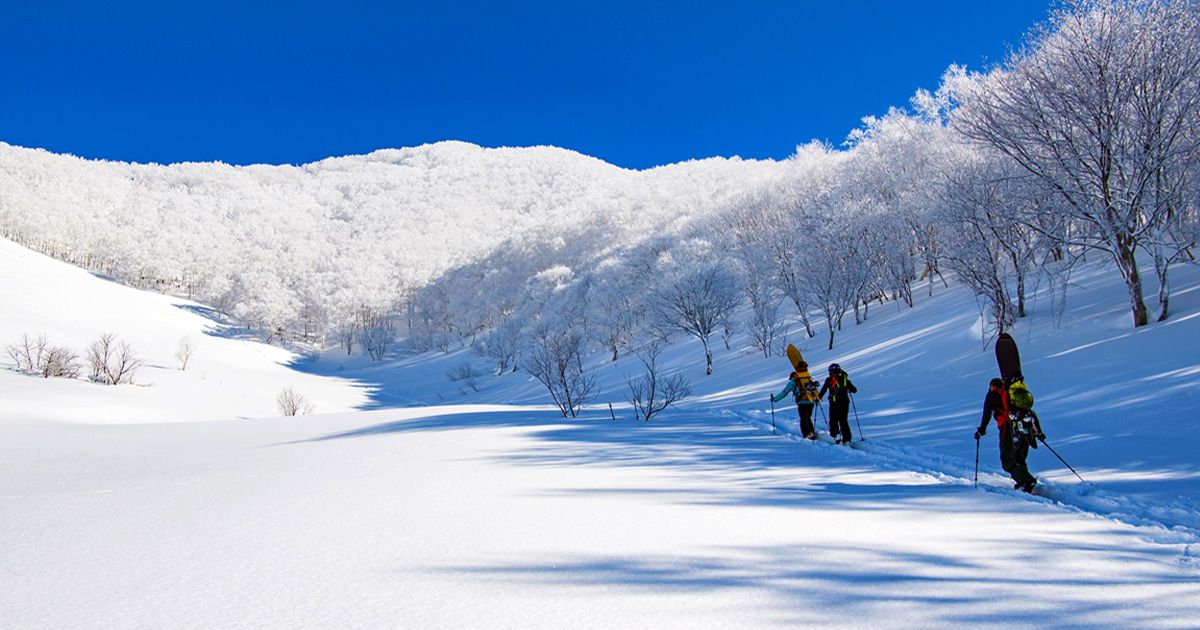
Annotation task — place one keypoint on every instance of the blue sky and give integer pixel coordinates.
(634, 83)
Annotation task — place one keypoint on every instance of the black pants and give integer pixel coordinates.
(1013, 454)
(839, 419)
(806, 423)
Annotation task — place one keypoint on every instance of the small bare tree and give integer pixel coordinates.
(35, 355)
(292, 403)
(59, 362)
(555, 360)
(465, 372)
(27, 353)
(184, 352)
(502, 345)
(651, 392)
(110, 362)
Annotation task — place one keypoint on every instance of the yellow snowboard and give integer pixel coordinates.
(793, 355)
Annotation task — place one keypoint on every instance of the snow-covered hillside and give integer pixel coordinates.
(227, 377)
(309, 246)
(440, 506)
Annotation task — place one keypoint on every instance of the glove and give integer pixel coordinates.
(980, 433)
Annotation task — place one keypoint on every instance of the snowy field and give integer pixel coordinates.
(411, 501)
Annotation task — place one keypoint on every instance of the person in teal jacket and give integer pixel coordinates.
(804, 390)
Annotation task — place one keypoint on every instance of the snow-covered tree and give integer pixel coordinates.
(1100, 106)
(698, 294)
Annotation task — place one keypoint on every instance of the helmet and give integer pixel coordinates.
(833, 367)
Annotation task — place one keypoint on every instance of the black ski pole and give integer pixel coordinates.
(772, 415)
(861, 437)
(824, 417)
(1060, 458)
(610, 412)
(976, 460)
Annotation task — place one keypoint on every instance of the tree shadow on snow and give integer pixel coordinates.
(221, 326)
(848, 583)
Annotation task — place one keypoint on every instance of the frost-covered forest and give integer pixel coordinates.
(1083, 144)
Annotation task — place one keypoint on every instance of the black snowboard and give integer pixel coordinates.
(1008, 358)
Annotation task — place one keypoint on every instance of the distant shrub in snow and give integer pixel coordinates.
(652, 391)
(111, 362)
(35, 355)
(293, 403)
(59, 362)
(184, 353)
(466, 373)
(27, 353)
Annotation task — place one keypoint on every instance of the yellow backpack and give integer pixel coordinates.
(1019, 397)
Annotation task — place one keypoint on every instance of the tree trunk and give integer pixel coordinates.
(1164, 287)
(1127, 262)
(1020, 294)
(707, 358)
(808, 329)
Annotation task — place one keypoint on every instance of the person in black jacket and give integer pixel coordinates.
(839, 387)
(1016, 434)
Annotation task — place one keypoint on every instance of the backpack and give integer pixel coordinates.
(1019, 397)
(810, 390)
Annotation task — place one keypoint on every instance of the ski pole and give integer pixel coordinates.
(772, 415)
(861, 437)
(610, 412)
(1060, 458)
(824, 417)
(977, 461)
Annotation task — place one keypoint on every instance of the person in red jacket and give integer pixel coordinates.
(1014, 441)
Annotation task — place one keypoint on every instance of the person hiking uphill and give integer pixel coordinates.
(1018, 431)
(803, 388)
(839, 387)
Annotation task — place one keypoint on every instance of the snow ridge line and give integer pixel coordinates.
(1179, 523)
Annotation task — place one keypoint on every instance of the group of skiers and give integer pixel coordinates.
(804, 390)
(1005, 402)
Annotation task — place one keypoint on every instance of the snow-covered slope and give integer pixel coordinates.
(506, 515)
(228, 377)
(1119, 404)
(476, 516)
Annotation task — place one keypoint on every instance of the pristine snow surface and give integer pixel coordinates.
(419, 503)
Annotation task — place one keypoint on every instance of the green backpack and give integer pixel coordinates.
(1019, 397)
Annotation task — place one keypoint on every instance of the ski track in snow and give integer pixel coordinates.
(1172, 523)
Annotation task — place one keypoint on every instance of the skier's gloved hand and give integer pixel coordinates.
(980, 433)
